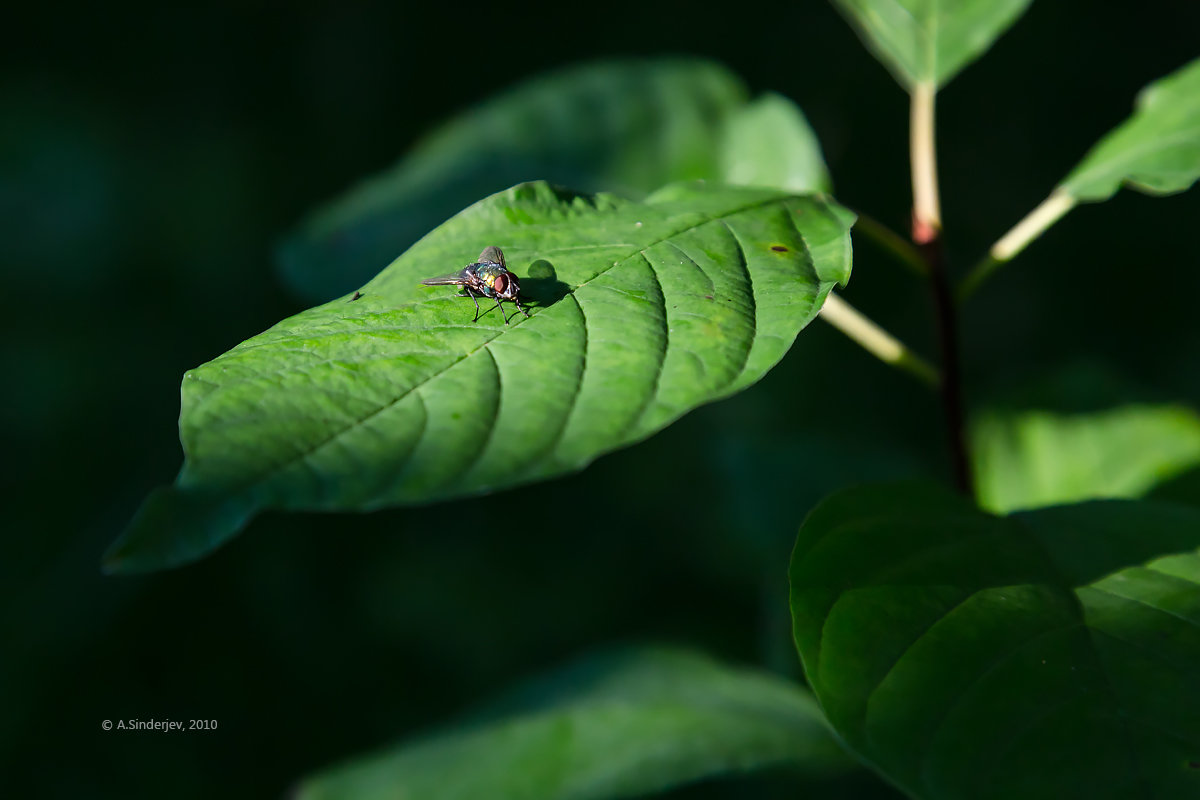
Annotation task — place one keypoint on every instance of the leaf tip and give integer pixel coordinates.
(176, 526)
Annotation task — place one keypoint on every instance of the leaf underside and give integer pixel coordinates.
(1047, 654)
(930, 41)
(639, 313)
(618, 725)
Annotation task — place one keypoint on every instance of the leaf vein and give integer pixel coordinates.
(491, 427)
(573, 404)
(744, 263)
(636, 417)
(1106, 590)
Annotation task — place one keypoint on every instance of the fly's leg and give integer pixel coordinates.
(471, 295)
(501, 310)
(523, 311)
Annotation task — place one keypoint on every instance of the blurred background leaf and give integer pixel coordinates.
(617, 724)
(929, 41)
(769, 143)
(626, 126)
(972, 656)
(1039, 458)
(1081, 431)
(642, 311)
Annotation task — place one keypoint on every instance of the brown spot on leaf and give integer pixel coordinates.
(778, 248)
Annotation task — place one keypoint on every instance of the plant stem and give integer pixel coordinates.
(1006, 248)
(891, 241)
(875, 340)
(926, 233)
(951, 384)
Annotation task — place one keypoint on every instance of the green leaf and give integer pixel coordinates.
(929, 41)
(626, 724)
(626, 126)
(1047, 654)
(1038, 458)
(769, 143)
(1157, 150)
(640, 313)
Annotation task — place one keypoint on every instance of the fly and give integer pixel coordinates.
(487, 277)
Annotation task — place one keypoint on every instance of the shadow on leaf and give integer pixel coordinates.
(540, 287)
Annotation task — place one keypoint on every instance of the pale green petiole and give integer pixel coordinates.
(1035, 223)
(875, 340)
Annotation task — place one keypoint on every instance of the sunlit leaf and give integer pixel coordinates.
(617, 726)
(929, 41)
(1046, 654)
(640, 312)
(1038, 458)
(626, 126)
(1157, 150)
(769, 143)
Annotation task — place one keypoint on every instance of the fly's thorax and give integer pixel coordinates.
(498, 280)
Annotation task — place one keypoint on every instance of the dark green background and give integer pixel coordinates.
(151, 156)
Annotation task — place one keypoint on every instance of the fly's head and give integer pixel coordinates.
(505, 286)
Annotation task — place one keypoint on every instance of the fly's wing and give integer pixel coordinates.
(459, 278)
(493, 254)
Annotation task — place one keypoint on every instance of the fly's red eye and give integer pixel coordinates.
(501, 284)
